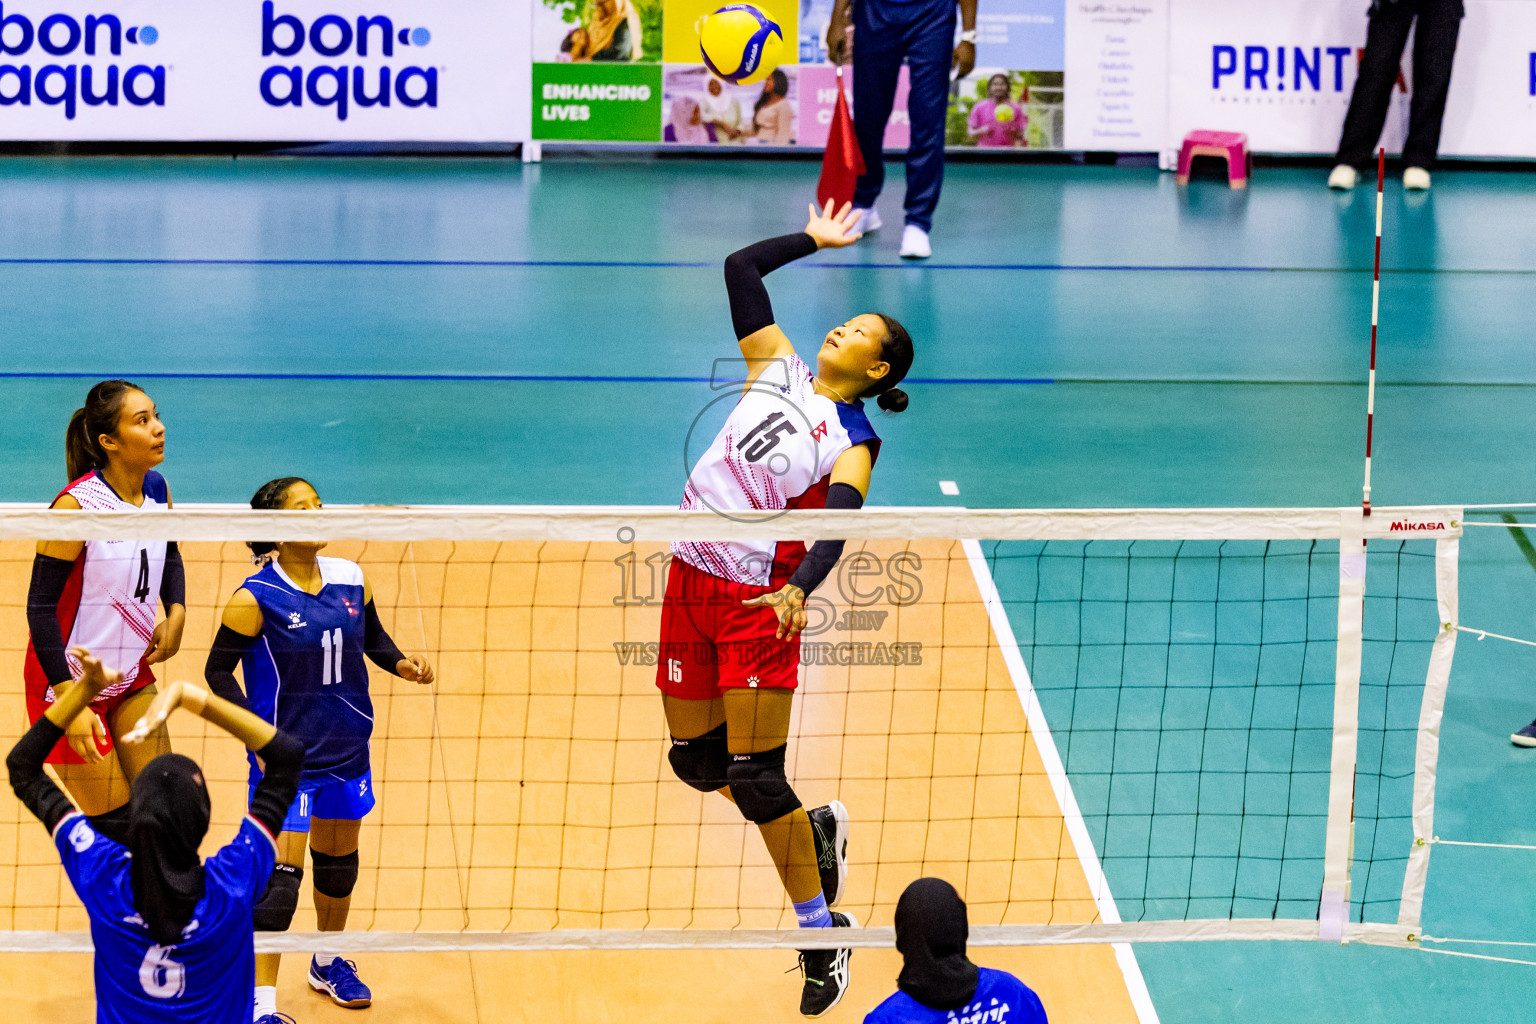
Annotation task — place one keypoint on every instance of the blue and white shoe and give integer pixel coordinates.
(338, 979)
(1525, 737)
(274, 1018)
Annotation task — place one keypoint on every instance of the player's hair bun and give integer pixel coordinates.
(896, 350)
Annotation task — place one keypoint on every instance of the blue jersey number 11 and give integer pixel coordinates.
(330, 642)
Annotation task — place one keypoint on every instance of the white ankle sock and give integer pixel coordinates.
(324, 959)
(266, 1001)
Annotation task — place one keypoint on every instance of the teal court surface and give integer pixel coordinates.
(485, 332)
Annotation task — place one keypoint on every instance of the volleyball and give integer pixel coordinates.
(740, 43)
(1004, 113)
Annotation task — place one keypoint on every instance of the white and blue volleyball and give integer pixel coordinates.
(740, 43)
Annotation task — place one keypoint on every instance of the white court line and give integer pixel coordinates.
(1055, 771)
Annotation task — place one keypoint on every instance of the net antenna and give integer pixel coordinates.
(1370, 388)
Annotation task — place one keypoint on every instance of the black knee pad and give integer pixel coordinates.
(757, 782)
(335, 877)
(701, 762)
(113, 824)
(274, 911)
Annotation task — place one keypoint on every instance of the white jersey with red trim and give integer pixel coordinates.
(776, 451)
(109, 605)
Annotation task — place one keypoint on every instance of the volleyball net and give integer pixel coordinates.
(1102, 726)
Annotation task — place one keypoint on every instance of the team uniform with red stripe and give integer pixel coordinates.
(775, 451)
(108, 605)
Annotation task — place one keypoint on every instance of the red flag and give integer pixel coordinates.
(842, 163)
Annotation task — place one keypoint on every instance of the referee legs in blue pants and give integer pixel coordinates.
(886, 33)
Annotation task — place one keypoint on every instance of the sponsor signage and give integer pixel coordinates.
(376, 70)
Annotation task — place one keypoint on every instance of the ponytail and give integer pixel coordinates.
(99, 415)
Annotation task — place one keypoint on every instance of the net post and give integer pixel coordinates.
(1333, 908)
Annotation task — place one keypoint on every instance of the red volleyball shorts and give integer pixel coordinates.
(37, 704)
(711, 642)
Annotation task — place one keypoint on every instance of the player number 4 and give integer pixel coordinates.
(330, 643)
(141, 591)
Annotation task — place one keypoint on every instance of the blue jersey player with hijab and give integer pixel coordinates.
(301, 628)
(172, 932)
(938, 983)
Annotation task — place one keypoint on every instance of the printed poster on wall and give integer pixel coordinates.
(1117, 59)
(631, 71)
(1015, 96)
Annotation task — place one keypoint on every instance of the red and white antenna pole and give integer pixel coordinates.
(1370, 390)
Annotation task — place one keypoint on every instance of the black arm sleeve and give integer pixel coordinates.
(49, 577)
(28, 781)
(744, 270)
(173, 582)
(283, 758)
(381, 650)
(229, 646)
(824, 554)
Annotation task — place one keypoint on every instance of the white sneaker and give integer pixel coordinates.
(914, 243)
(1343, 178)
(868, 219)
(1416, 179)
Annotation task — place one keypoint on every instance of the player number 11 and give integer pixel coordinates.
(330, 643)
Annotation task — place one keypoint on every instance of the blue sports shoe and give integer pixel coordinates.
(1525, 737)
(274, 1018)
(339, 980)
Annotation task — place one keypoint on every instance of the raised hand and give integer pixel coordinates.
(831, 231)
(178, 694)
(416, 669)
(94, 676)
(86, 734)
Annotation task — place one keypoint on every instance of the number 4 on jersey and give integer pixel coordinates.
(141, 590)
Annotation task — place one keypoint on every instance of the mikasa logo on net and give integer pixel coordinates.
(60, 60)
(1408, 526)
(344, 86)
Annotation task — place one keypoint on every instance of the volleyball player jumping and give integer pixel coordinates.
(732, 614)
(101, 595)
(301, 626)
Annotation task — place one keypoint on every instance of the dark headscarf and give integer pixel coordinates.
(931, 930)
(168, 817)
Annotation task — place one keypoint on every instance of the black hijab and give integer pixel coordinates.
(931, 930)
(168, 817)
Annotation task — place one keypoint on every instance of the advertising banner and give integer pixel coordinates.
(374, 70)
(1015, 96)
(1281, 72)
(1491, 110)
(1013, 100)
(1117, 59)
